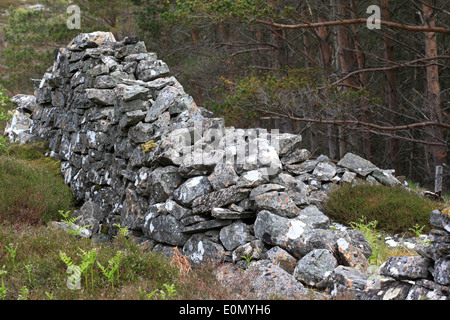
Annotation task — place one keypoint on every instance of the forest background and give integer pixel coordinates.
(313, 67)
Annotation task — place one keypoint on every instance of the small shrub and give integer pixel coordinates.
(396, 209)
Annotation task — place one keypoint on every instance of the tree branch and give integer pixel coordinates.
(354, 21)
(362, 123)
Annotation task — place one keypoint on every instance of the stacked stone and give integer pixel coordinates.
(139, 153)
(422, 277)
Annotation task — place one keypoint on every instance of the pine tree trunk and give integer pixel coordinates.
(390, 88)
(433, 91)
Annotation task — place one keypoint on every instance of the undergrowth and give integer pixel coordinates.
(396, 209)
(32, 189)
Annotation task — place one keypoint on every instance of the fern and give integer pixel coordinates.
(113, 268)
(88, 263)
(66, 259)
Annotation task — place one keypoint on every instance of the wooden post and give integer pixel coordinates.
(438, 179)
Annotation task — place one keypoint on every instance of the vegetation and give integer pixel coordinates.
(395, 209)
(32, 187)
(42, 268)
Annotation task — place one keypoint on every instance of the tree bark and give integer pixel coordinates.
(433, 91)
(390, 88)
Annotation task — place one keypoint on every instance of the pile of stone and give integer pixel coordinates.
(139, 153)
(424, 276)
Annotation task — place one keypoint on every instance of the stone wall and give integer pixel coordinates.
(138, 152)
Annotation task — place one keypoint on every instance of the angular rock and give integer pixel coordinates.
(253, 250)
(166, 229)
(314, 218)
(163, 182)
(296, 156)
(252, 178)
(357, 164)
(219, 199)
(295, 188)
(178, 211)
(386, 178)
(234, 235)
(344, 280)
(133, 211)
(265, 188)
(441, 272)
(192, 189)
(325, 171)
(271, 281)
(206, 225)
(315, 267)
(90, 40)
(200, 249)
(277, 202)
(282, 258)
(103, 97)
(223, 213)
(440, 220)
(406, 268)
(148, 70)
(224, 176)
(351, 255)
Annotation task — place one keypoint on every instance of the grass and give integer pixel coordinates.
(396, 209)
(39, 268)
(32, 189)
(32, 195)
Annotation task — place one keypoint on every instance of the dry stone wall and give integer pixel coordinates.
(138, 152)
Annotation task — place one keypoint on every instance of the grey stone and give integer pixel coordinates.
(357, 164)
(103, 97)
(148, 70)
(220, 198)
(163, 182)
(200, 249)
(141, 133)
(344, 280)
(271, 281)
(404, 268)
(133, 211)
(252, 178)
(313, 217)
(234, 235)
(166, 229)
(295, 188)
(250, 251)
(315, 267)
(282, 258)
(90, 40)
(177, 210)
(441, 272)
(386, 178)
(192, 189)
(223, 213)
(440, 220)
(296, 156)
(324, 171)
(223, 176)
(131, 92)
(279, 203)
(206, 225)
